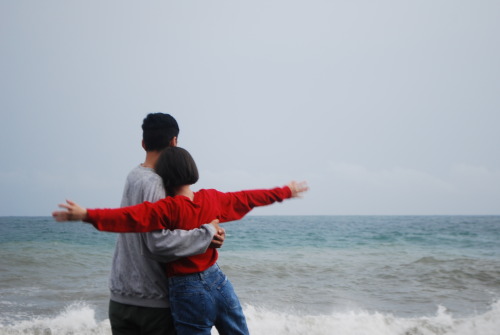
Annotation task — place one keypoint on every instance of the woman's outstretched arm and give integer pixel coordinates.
(140, 218)
(235, 205)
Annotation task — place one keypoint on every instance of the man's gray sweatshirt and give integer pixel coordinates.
(138, 275)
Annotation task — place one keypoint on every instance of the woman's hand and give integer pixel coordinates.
(298, 188)
(73, 212)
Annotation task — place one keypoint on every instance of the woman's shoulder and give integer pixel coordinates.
(207, 193)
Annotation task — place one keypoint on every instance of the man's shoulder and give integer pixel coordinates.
(142, 175)
(142, 184)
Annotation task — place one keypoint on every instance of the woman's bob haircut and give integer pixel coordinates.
(177, 168)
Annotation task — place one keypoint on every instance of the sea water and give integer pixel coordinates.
(351, 275)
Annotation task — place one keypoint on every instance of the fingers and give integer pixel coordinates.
(60, 216)
(215, 244)
(302, 186)
(221, 235)
(215, 223)
(68, 205)
(298, 187)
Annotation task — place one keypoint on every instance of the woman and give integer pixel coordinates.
(201, 296)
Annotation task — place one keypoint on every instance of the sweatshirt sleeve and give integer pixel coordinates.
(140, 218)
(170, 245)
(237, 204)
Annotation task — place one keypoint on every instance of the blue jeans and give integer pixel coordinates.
(202, 300)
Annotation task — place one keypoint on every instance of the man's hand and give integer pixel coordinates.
(219, 237)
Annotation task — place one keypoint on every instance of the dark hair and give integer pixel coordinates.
(158, 130)
(176, 168)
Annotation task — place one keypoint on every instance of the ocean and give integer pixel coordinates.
(339, 275)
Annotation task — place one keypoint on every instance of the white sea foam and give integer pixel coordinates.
(262, 321)
(76, 319)
(79, 318)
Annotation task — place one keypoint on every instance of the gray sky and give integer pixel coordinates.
(384, 107)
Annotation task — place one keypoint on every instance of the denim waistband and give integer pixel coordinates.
(195, 276)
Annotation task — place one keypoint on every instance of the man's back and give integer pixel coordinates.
(136, 279)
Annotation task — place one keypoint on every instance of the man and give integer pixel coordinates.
(138, 283)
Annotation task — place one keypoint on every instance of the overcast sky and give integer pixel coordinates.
(384, 107)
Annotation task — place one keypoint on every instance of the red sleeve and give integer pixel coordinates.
(140, 218)
(236, 205)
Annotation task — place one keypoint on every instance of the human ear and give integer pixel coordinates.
(173, 141)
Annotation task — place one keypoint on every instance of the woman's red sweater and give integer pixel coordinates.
(180, 212)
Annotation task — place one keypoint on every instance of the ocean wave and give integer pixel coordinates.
(79, 318)
(263, 321)
(460, 269)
